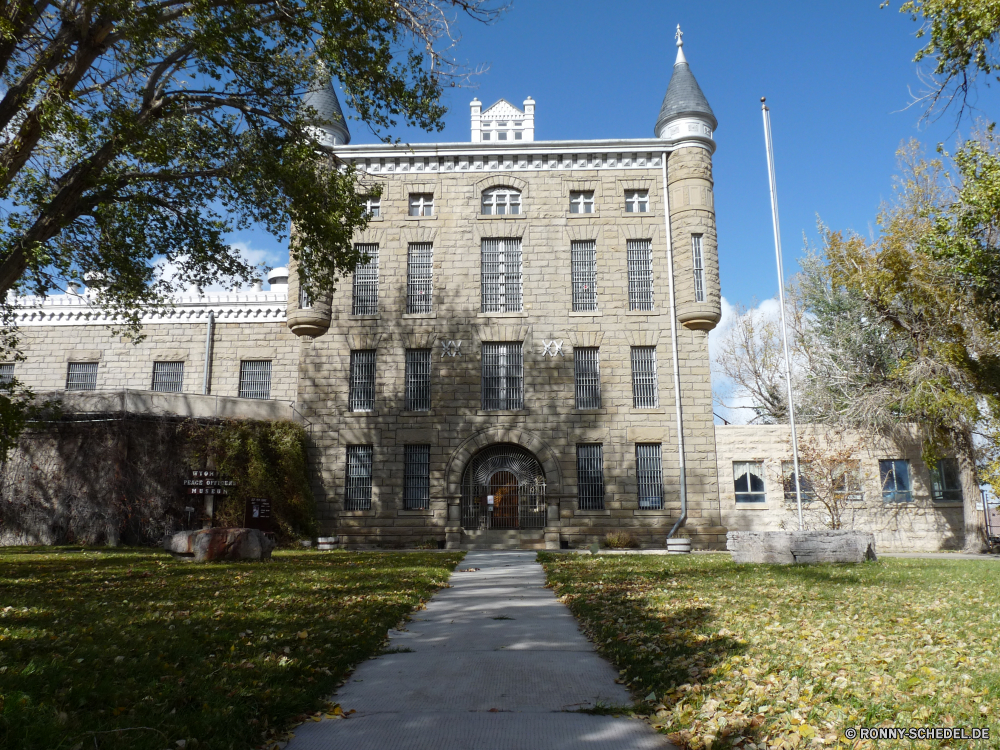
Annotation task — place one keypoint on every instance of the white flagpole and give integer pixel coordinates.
(781, 300)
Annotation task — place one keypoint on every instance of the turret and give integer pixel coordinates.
(304, 316)
(687, 119)
(330, 127)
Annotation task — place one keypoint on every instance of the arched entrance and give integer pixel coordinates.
(513, 478)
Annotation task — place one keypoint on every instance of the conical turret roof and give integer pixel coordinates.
(323, 99)
(684, 96)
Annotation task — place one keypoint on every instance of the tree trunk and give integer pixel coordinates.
(972, 502)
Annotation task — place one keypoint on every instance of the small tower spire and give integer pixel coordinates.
(679, 36)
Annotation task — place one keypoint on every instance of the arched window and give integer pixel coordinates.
(500, 201)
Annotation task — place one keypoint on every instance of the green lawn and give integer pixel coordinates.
(782, 657)
(219, 655)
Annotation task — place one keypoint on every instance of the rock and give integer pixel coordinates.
(787, 547)
(205, 545)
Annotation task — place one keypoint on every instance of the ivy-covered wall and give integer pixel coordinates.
(118, 479)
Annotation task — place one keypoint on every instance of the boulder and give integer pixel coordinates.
(787, 547)
(205, 545)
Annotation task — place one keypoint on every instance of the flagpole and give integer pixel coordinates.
(781, 300)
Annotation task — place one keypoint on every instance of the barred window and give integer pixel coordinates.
(417, 478)
(364, 299)
(699, 268)
(419, 277)
(590, 476)
(81, 376)
(372, 206)
(6, 373)
(649, 474)
(636, 201)
(581, 202)
(946, 487)
(501, 275)
(640, 274)
(503, 376)
(583, 258)
(255, 378)
(500, 201)
(587, 377)
(645, 388)
(421, 204)
(748, 481)
(418, 379)
(358, 487)
(168, 376)
(362, 387)
(896, 487)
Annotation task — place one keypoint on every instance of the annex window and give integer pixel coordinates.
(640, 274)
(362, 387)
(895, 476)
(501, 275)
(6, 373)
(748, 481)
(946, 487)
(417, 478)
(358, 487)
(372, 205)
(503, 376)
(590, 476)
(364, 296)
(583, 259)
(649, 475)
(699, 268)
(587, 377)
(419, 277)
(81, 376)
(421, 204)
(255, 379)
(645, 389)
(581, 202)
(168, 377)
(501, 201)
(805, 483)
(418, 379)
(636, 201)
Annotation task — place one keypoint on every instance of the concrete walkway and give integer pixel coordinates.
(494, 663)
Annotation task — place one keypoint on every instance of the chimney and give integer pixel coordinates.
(477, 109)
(529, 119)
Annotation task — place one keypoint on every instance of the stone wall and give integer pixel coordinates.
(921, 525)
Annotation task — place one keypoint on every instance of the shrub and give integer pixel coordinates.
(620, 540)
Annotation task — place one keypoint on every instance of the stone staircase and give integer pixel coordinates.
(503, 539)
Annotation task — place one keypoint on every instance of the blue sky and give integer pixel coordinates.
(837, 77)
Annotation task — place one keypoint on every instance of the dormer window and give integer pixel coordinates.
(501, 201)
(581, 202)
(421, 204)
(636, 201)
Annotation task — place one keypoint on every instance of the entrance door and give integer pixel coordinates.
(503, 487)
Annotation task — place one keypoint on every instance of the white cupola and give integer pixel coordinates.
(503, 122)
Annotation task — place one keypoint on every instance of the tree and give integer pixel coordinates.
(830, 477)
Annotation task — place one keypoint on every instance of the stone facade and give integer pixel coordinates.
(923, 524)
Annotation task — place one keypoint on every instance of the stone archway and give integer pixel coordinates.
(503, 487)
(492, 435)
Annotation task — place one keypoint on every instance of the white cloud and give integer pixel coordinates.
(270, 258)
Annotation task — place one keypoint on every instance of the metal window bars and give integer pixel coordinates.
(361, 396)
(358, 484)
(168, 377)
(364, 298)
(645, 389)
(590, 476)
(640, 274)
(501, 275)
(255, 379)
(6, 373)
(649, 475)
(418, 379)
(636, 201)
(417, 478)
(421, 204)
(581, 202)
(500, 201)
(583, 262)
(419, 277)
(81, 376)
(503, 376)
(587, 377)
(699, 268)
